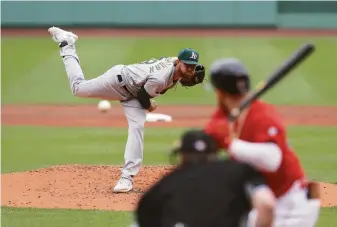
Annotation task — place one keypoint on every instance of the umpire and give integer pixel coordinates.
(204, 191)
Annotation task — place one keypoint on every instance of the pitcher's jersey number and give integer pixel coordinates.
(151, 61)
(153, 65)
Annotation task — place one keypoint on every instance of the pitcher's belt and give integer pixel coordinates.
(120, 79)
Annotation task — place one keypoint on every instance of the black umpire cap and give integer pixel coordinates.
(196, 142)
(230, 75)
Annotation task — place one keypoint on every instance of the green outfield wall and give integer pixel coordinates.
(285, 14)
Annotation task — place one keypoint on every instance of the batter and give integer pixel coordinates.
(134, 86)
(259, 138)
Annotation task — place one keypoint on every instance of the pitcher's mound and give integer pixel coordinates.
(90, 187)
(76, 186)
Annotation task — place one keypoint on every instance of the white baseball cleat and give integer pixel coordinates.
(123, 185)
(62, 37)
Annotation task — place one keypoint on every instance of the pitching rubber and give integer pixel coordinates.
(154, 117)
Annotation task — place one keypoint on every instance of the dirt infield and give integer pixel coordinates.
(89, 187)
(183, 116)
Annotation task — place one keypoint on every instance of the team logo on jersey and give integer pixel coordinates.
(272, 131)
(194, 56)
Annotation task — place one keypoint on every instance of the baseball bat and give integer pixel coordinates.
(291, 63)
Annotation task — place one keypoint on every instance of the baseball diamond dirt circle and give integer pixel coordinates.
(89, 186)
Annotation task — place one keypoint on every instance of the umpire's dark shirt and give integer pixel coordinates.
(210, 194)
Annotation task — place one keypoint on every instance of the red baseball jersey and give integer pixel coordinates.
(262, 124)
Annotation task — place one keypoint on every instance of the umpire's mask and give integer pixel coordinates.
(194, 143)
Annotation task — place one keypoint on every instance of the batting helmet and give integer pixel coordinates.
(230, 75)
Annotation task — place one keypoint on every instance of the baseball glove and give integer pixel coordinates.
(198, 78)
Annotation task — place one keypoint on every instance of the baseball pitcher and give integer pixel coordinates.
(134, 86)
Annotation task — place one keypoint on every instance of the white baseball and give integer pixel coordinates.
(104, 105)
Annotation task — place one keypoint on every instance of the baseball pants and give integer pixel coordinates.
(293, 209)
(107, 86)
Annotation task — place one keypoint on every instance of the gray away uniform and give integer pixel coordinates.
(155, 75)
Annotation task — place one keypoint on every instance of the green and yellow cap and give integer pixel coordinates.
(189, 56)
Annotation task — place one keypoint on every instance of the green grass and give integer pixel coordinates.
(316, 149)
(328, 217)
(43, 146)
(25, 217)
(40, 147)
(33, 72)
(19, 217)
